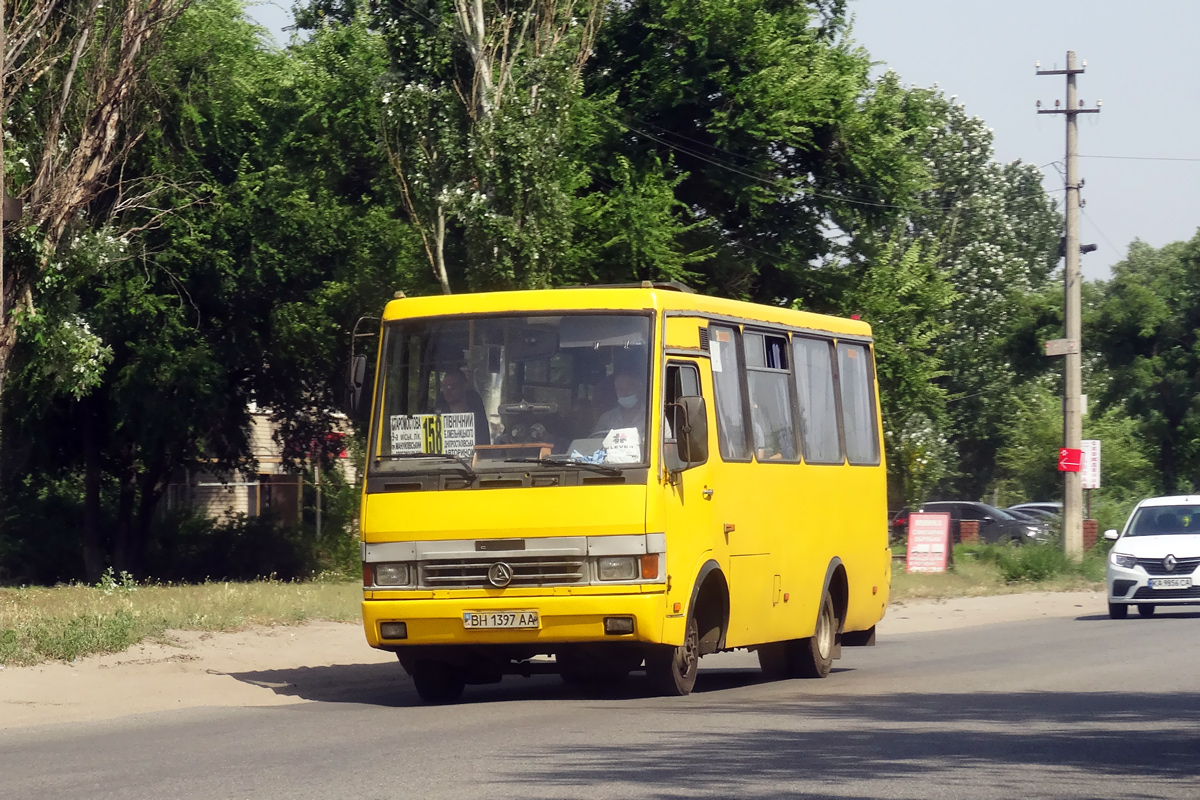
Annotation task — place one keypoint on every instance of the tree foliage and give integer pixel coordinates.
(1147, 333)
(266, 198)
(72, 105)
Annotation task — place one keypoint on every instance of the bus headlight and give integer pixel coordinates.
(393, 574)
(618, 568)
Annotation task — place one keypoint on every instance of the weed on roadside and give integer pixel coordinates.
(68, 622)
(985, 569)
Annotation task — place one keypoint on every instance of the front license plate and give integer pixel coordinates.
(1170, 583)
(487, 620)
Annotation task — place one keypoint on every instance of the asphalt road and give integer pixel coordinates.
(1063, 708)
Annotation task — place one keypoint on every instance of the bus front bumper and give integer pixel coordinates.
(561, 619)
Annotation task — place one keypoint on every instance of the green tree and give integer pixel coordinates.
(1146, 327)
(904, 296)
(1027, 468)
(994, 233)
(765, 110)
(286, 228)
(72, 100)
(482, 121)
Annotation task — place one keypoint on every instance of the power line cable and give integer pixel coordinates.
(1142, 158)
(775, 183)
(1100, 231)
(823, 178)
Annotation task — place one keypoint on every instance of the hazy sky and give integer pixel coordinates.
(1140, 61)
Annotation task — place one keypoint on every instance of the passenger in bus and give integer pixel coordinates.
(630, 411)
(459, 397)
(776, 447)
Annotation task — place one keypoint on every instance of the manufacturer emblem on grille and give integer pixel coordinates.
(1169, 563)
(500, 574)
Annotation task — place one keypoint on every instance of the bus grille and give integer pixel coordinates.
(473, 573)
(1154, 566)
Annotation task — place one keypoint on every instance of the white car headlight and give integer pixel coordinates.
(1122, 560)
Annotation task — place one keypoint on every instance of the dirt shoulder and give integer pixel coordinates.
(280, 665)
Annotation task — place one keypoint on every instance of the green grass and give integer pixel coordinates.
(67, 622)
(994, 569)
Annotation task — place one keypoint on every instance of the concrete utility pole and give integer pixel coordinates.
(1072, 411)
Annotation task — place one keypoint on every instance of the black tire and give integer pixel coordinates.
(814, 655)
(777, 660)
(672, 670)
(1146, 609)
(438, 683)
(1118, 610)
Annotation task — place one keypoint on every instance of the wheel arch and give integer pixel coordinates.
(837, 583)
(709, 605)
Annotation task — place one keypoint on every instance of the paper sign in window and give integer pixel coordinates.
(453, 434)
(622, 446)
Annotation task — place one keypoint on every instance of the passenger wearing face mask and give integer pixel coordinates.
(630, 411)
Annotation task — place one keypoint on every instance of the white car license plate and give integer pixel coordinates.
(1170, 583)
(485, 620)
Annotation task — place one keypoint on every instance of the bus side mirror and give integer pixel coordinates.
(691, 419)
(358, 374)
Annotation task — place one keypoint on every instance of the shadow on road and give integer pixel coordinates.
(1017, 745)
(388, 685)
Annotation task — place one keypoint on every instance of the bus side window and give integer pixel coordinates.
(731, 416)
(818, 401)
(683, 380)
(770, 397)
(858, 404)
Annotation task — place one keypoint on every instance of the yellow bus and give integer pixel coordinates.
(622, 478)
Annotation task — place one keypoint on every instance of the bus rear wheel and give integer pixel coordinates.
(813, 657)
(438, 683)
(672, 670)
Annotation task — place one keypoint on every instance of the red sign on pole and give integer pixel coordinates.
(1069, 459)
(928, 542)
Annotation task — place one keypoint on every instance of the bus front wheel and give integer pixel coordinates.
(814, 655)
(438, 683)
(672, 669)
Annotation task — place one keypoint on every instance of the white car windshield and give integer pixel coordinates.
(1165, 521)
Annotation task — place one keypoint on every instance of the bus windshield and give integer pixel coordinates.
(505, 391)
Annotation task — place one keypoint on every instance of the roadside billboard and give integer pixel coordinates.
(928, 542)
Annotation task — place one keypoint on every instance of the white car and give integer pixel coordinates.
(1154, 560)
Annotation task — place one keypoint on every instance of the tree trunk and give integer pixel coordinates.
(440, 250)
(123, 530)
(92, 549)
(152, 484)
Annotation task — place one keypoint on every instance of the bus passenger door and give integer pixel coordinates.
(686, 492)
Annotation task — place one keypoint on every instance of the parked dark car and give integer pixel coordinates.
(1047, 510)
(996, 526)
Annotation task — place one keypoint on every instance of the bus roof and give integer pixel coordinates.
(617, 299)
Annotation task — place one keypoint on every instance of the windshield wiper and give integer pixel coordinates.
(566, 462)
(463, 466)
